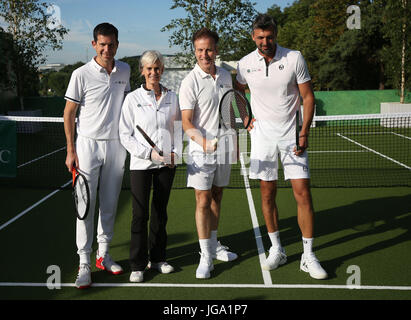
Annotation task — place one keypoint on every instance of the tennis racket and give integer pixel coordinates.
(297, 130)
(234, 104)
(81, 194)
(150, 142)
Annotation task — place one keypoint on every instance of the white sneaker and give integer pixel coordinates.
(137, 276)
(223, 254)
(84, 276)
(309, 263)
(205, 267)
(107, 263)
(162, 267)
(276, 258)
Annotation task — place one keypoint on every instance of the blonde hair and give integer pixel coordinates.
(151, 57)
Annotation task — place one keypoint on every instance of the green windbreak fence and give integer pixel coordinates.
(327, 102)
(354, 102)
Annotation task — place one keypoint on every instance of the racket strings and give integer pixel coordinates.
(242, 107)
(81, 196)
(235, 105)
(227, 112)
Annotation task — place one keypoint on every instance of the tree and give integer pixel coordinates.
(55, 83)
(354, 61)
(375, 56)
(33, 28)
(135, 76)
(58, 82)
(231, 19)
(396, 54)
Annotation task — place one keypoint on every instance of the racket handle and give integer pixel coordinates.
(73, 173)
(214, 141)
(158, 151)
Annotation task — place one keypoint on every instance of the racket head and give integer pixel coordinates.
(81, 194)
(234, 104)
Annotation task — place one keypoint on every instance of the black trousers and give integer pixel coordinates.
(151, 245)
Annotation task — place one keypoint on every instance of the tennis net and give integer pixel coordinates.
(345, 151)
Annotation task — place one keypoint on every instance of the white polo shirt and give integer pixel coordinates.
(274, 88)
(157, 118)
(200, 92)
(100, 97)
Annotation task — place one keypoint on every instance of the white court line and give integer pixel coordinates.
(335, 151)
(256, 228)
(376, 152)
(212, 285)
(33, 206)
(39, 158)
(401, 135)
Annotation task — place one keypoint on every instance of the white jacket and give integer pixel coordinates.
(161, 120)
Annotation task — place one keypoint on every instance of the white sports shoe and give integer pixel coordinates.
(205, 267)
(223, 254)
(309, 263)
(137, 276)
(162, 267)
(84, 276)
(107, 263)
(276, 258)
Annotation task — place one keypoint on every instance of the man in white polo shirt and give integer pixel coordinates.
(277, 77)
(199, 96)
(96, 92)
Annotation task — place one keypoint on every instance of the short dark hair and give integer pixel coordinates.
(264, 21)
(105, 29)
(205, 33)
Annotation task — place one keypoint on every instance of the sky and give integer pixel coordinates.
(139, 24)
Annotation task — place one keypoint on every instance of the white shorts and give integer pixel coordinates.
(264, 157)
(204, 176)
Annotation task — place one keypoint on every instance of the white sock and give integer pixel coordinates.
(84, 259)
(102, 249)
(214, 235)
(275, 239)
(214, 239)
(205, 246)
(308, 245)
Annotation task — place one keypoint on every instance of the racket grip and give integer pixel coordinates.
(73, 174)
(158, 151)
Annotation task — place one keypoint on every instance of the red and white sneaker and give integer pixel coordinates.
(107, 263)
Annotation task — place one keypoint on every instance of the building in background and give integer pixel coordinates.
(175, 72)
(50, 67)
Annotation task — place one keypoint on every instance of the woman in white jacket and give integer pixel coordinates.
(155, 109)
